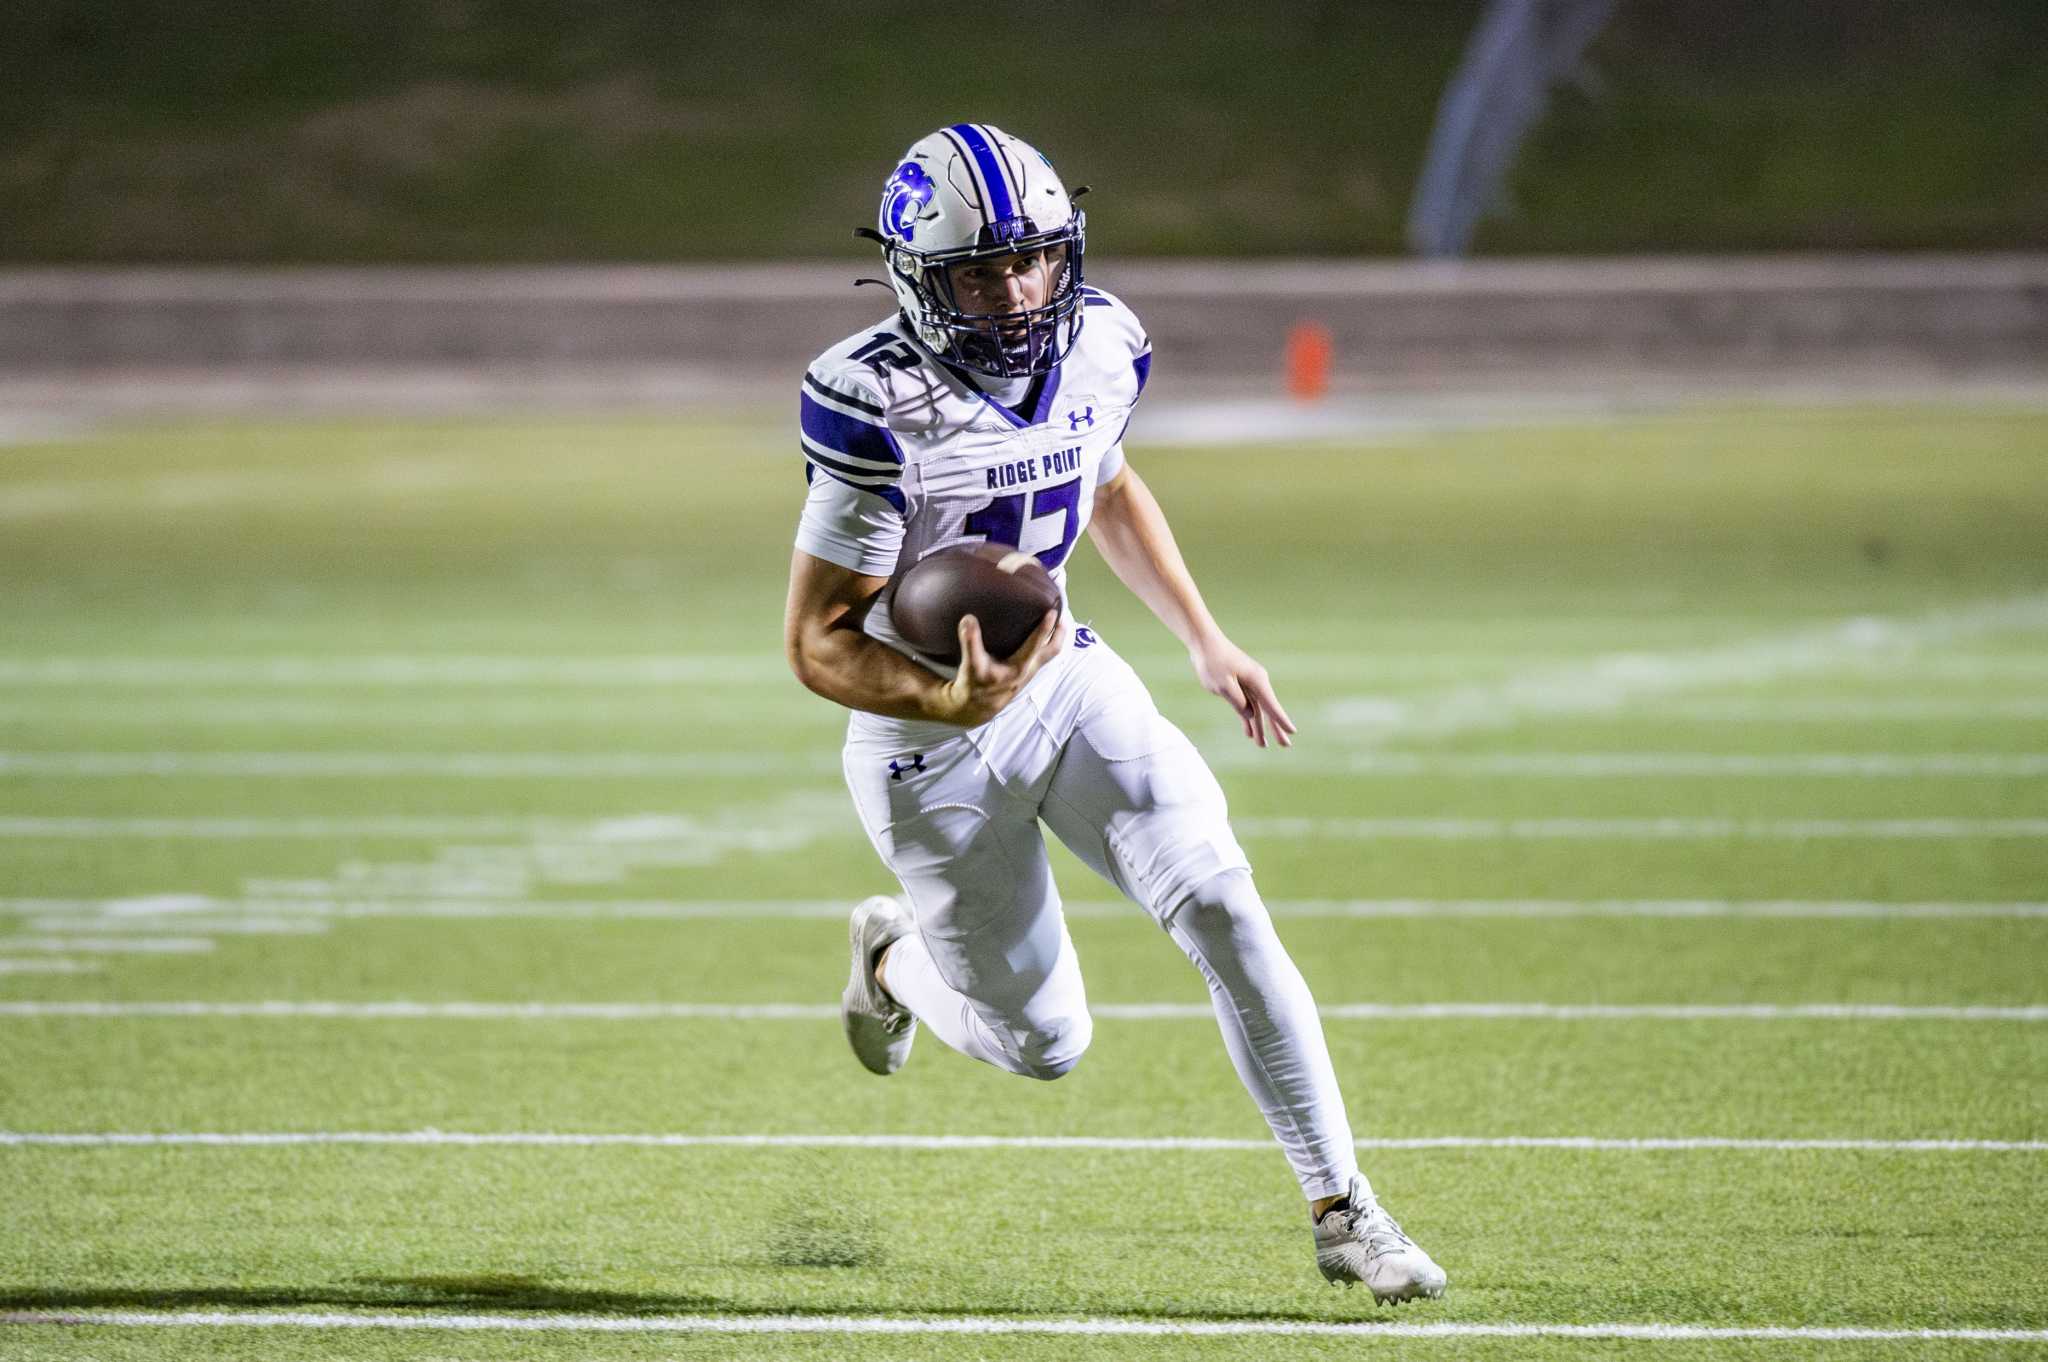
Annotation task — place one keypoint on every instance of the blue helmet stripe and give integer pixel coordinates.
(954, 138)
(1000, 206)
(1013, 186)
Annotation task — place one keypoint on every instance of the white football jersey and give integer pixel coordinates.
(906, 455)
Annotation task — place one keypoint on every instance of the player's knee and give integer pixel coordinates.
(1224, 908)
(1054, 1048)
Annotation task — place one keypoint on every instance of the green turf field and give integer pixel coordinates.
(1683, 779)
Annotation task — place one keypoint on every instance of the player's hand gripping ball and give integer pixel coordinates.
(1008, 591)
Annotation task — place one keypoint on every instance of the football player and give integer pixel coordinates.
(992, 407)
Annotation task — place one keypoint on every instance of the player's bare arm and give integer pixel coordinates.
(831, 656)
(1131, 532)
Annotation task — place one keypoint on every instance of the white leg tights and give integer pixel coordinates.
(1270, 1027)
(1037, 1025)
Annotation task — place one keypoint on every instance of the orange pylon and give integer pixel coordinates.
(1308, 360)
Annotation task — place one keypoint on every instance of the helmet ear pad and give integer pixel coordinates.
(914, 297)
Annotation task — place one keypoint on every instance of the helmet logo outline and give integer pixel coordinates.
(906, 195)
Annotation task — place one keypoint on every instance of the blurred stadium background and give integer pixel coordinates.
(1620, 424)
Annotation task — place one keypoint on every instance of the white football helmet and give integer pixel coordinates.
(967, 192)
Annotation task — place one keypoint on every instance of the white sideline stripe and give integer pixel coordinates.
(199, 913)
(973, 1324)
(652, 828)
(614, 765)
(48, 965)
(1132, 1144)
(400, 1010)
(1639, 829)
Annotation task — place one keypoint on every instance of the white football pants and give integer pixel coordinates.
(992, 970)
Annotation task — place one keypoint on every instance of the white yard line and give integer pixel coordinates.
(354, 669)
(244, 829)
(1613, 681)
(109, 945)
(401, 709)
(186, 488)
(1639, 829)
(1539, 683)
(764, 827)
(1650, 908)
(243, 925)
(198, 913)
(451, 765)
(662, 765)
(1977, 667)
(1842, 710)
(48, 965)
(405, 1010)
(98, 914)
(1609, 765)
(642, 670)
(977, 1325)
(1109, 1143)
(627, 830)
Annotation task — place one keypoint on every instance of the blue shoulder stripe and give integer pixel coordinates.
(843, 399)
(1143, 364)
(846, 434)
(887, 492)
(852, 467)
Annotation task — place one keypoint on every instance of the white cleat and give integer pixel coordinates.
(1361, 1243)
(877, 1027)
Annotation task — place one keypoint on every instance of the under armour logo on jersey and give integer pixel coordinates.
(1078, 419)
(900, 769)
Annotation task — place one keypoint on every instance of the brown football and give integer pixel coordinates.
(1006, 590)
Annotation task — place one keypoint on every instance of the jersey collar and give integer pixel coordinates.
(1037, 398)
(1045, 388)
